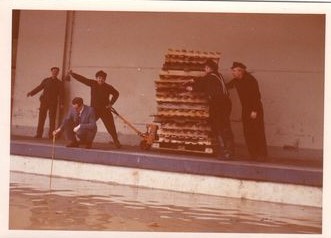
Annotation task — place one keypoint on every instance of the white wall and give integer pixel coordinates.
(284, 52)
(299, 195)
(40, 46)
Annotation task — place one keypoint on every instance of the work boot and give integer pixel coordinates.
(228, 156)
(73, 144)
(261, 158)
(88, 146)
(223, 154)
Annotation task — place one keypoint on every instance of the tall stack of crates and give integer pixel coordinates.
(183, 116)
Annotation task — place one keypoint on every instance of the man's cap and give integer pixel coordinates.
(212, 64)
(101, 74)
(55, 68)
(238, 65)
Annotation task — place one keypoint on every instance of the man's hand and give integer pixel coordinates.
(76, 128)
(55, 132)
(188, 85)
(189, 82)
(189, 88)
(253, 115)
(67, 76)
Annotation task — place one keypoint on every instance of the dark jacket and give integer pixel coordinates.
(53, 91)
(99, 93)
(216, 92)
(213, 86)
(249, 93)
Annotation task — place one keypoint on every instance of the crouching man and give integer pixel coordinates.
(79, 125)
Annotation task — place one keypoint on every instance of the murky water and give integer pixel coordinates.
(84, 205)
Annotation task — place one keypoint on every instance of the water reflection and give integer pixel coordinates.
(84, 205)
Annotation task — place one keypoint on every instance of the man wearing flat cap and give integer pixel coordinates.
(252, 110)
(52, 94)
(212, 84)
(100, 93)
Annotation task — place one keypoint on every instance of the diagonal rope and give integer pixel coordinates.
(53, 152)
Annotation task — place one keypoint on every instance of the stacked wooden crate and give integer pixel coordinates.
(183, 115)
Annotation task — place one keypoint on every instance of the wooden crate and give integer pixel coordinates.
(183, 116)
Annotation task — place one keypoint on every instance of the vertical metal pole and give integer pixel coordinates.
(69, 29)
(70, 19)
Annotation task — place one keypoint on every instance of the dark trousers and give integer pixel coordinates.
(227, 135)
(255, 135)
(86, 136)
(43, 109)
(108, 120)
(221, 127)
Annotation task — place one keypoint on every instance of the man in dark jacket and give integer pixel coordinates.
(212, 84)
(252, 110)
(80, 122)
(100, 93)
(52, 94)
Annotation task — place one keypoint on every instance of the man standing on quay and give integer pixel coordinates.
(100, 93)
(212, 84)
(52, 93)
(252, 110)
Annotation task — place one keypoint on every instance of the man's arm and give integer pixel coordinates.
(115, 94)
(37, 89)
(230, 85)
(193, 84)
(199, 83)
(66, 120)
(255, 96)
(81, 78)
